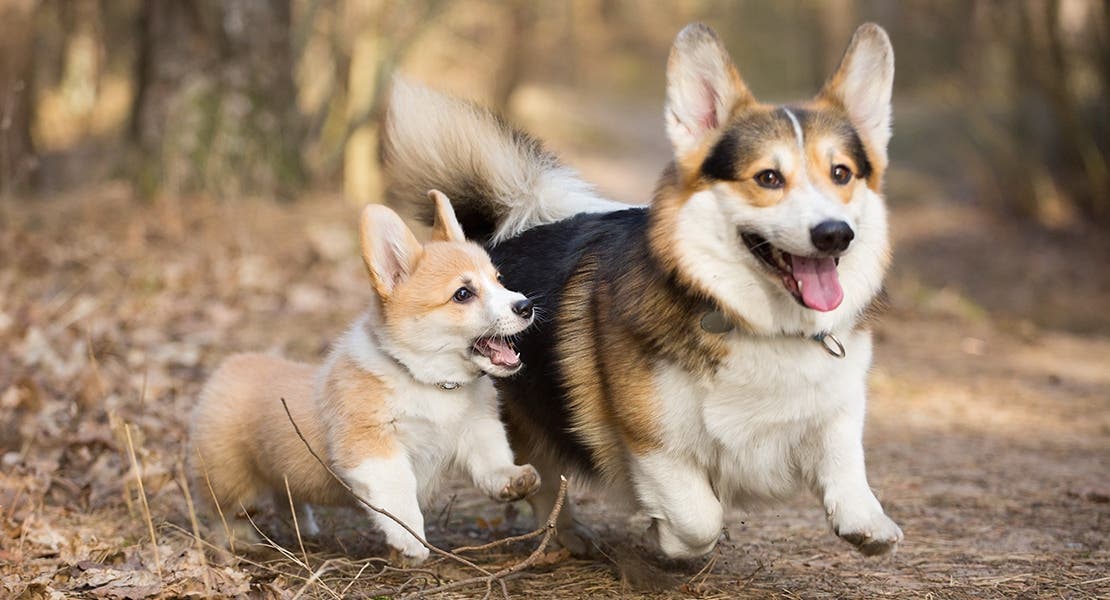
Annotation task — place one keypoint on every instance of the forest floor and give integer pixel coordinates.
(988, 436)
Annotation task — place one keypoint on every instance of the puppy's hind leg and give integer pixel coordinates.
(305, 520)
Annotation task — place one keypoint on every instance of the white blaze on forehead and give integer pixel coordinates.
(797, 133)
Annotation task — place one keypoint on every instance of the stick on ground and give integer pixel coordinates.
(487, 578)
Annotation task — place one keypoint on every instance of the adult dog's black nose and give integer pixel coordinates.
(832, 236)
(523, 309)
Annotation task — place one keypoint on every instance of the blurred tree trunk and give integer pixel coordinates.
(379, 33)
(361, 171)
(215, 108)
(515, 54)
(835, 22)
(1077, 167)
(17, 151)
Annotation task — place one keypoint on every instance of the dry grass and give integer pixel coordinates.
(989, 437)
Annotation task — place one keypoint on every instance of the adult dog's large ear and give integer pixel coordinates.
(703, 88)
(389, 248)
(862, 85)
(445, 227)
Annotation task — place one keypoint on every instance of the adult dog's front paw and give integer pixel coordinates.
(872, 533)
(519, 482)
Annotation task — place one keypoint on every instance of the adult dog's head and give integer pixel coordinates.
(775, 211)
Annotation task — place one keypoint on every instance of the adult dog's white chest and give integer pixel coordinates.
(750, 425)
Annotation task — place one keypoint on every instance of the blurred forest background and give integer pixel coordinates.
(1003, 103)
(180, 180)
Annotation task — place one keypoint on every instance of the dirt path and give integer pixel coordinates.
(988, 437)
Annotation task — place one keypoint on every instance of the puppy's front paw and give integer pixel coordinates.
(519, 482)
(871, 534)
(407, 554)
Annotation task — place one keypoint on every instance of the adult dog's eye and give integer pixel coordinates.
(841, 174)
(500, 278)
(770, 179)
(462, 295)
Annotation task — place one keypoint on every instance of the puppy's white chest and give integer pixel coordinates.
(429, 422)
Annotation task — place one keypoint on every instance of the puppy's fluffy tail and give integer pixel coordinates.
(500, 180)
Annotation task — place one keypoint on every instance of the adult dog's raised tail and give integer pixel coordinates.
(501, 181)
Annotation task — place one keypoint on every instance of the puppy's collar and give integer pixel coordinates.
(448, 386)
(716, 322)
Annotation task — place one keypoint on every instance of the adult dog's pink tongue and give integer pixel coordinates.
(819, 283)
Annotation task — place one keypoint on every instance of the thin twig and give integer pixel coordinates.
(183, 482)
(354, 579)
(314, 578)
(548, 531)
(216, 501)
(363, 501)
(142, 496)
(296, 524)
(269, 542)
(502, 542)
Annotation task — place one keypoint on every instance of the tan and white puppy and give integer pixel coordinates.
(400, 402)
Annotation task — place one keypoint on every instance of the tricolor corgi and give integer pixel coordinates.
(708, 350)
(400, 401)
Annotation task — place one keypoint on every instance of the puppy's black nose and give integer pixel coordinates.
(832, 236)
(523, 309)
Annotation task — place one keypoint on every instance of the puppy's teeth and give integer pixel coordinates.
(799, 281)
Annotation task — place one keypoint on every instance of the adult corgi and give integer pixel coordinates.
(707, 350)
(400, 401)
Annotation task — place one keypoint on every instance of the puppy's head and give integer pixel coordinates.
(442, 299)
(797, 185)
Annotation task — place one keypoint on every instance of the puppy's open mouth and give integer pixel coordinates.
(811, 280)
(500, 351)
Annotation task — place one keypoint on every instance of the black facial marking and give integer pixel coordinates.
(742, 144)
(721, 162)
(858, 154)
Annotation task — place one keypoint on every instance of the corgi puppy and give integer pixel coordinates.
(400, 401)
(708, 350)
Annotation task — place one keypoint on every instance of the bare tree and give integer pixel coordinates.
(17, 150)
(215, 108)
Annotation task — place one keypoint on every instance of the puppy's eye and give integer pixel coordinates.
(770, 179)
(841, 174)
(462, 295)
(500, 278)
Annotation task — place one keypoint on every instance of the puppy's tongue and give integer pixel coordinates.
(819, 283)
(499, 352)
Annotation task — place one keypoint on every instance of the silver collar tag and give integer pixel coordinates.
(831, 345)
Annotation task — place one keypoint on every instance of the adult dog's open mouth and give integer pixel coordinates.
(811, 280)
(500, 351)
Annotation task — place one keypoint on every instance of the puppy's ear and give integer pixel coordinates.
(862, 85)
(389, 248)
(446, 227)
(703, 88)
